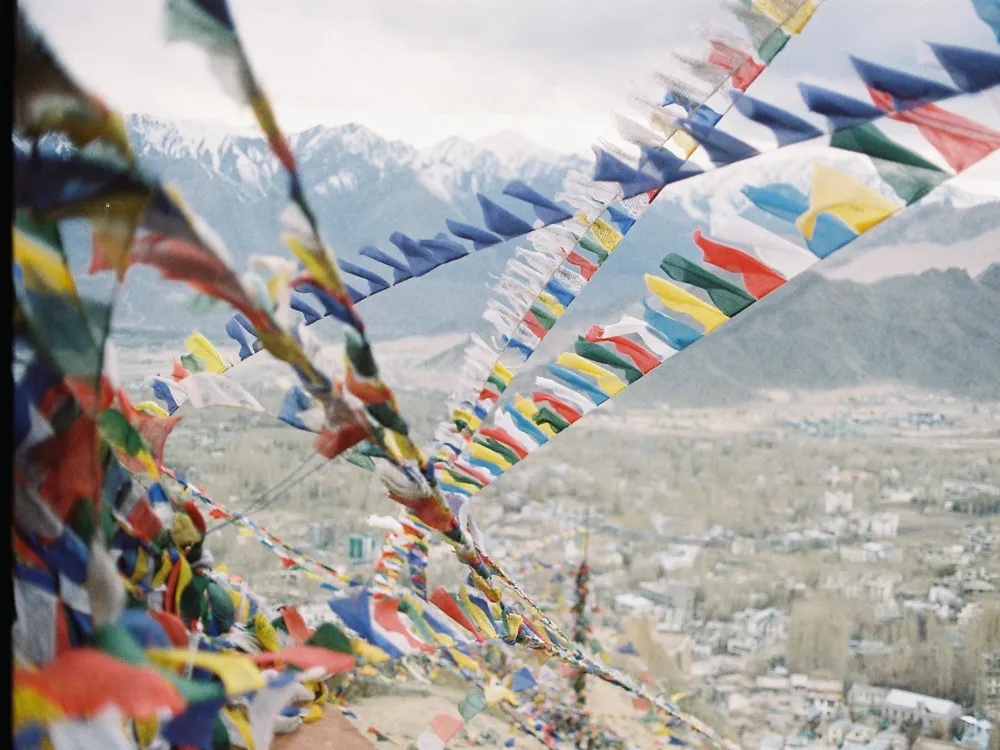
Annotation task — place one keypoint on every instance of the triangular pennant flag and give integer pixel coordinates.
(420, 260)
(722, 148)
(972, 70)
(546, 210)
(907, 90)
(375, 282)
(787, 128)
(401, 271)
(842, 111)
(846, 197)
(908, 173)
(522, 680)
(779, 199)
(480, 238)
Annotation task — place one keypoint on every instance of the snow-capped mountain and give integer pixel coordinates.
(363, 187)
(342, 158)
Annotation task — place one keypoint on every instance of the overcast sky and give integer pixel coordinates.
(421, 72)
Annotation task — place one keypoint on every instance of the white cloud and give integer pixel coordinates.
(421, 72)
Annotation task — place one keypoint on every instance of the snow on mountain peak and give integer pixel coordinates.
(241, 157)
(514, 150)
(354, 139)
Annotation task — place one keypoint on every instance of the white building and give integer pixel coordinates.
(674, 602)
(837, 501)
(869, 552)
(974, 733)
(633, 605)
(864, 698)
(679, 557)
(881, 526)
(881, 587)
(902, 706)
(824, 696)
(943, 595)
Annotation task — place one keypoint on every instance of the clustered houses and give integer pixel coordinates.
(738, 661)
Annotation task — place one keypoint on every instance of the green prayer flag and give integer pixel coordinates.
(497, 382)
(497, 447)
(727, 297)
(359, 354)
(192, 363)
(329, 636)
(387, 417)
(593, 246)
(545, 318)
(118, 431)
(597, 353)
(464, 477)
(545, 415)
(771, 46)
(360, 460)
(220, 608)
(869, 140)
(472, 704)
(907, 172)
(220, 735)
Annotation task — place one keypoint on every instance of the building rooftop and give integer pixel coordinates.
(906, 700)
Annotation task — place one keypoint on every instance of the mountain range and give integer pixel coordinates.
(364, 187)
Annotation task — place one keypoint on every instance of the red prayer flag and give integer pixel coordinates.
(445, 726)
(960, 141)
(83, 681)
(331, 444)
(297, 627)
(561, 408)
(587, 269)
(441, 599)
(759, 278)
(502, 436)
(307, 657)
(179, 372)
(644, 359)
(533, 325)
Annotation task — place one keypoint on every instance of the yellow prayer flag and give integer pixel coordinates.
(204, 350)
(481, 451)
(477, 615)
(469, 418)
(369, 653)
(607, 235)
(237, 673)
(141, 565)
(41, 267)
(527, 409)
(266, 633)
(152, 408)
(684, 302)
(847, 198)
(684, 142)
(462, 660)
(503, 373)
(778, 11)
(607, 381)
(238, 718)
